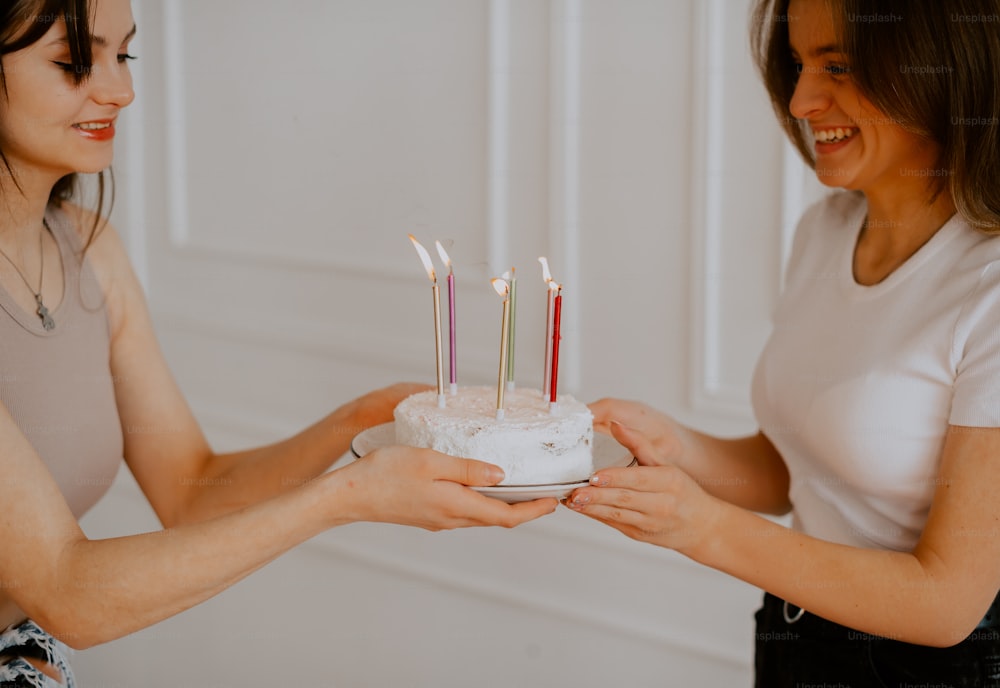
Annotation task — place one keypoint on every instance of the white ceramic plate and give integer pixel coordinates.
(608, 453)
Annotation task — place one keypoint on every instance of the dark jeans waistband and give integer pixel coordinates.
(990, 620)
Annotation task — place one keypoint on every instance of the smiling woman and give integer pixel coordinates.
(879, 428)
(83, 385)
(916, 67)
(69, 47)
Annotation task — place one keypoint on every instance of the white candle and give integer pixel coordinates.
(425, 258)
(503, 289)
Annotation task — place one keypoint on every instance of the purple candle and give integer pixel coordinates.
(452, 368)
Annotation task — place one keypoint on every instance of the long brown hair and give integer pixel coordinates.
(929, 65)
(23, 23)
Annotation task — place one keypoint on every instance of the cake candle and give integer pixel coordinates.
(452, 370)
(503, 289)
(556, 318)
(425, 258)
(547, 364)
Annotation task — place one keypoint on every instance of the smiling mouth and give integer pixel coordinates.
(92, 126)
(835, 135)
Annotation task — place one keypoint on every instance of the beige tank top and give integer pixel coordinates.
(57, 384)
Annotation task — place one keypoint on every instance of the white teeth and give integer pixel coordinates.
(834, 135)
(92, 126)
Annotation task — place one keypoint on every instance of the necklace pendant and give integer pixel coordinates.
(47, 322)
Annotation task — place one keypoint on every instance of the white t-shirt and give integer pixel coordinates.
(858, 384)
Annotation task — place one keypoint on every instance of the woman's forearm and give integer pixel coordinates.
(746, 471)
(88, 592)
(227, 482)
(99, 590)
(869, 590)
(238, 479)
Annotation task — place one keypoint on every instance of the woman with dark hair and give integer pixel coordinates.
(80, 364)
(877, 393)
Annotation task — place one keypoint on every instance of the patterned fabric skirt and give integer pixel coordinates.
(26, 640)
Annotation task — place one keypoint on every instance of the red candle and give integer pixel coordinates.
(556, 317)
(549, 298)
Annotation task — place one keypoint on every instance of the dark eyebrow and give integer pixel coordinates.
(99, 41)
(821, 50)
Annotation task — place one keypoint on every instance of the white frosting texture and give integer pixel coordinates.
(531, 444)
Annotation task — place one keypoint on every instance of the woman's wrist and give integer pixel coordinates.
(719, 521)
(340, 497)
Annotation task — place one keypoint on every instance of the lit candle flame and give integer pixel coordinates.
(546, 275)
(444, 255)
(501, 286)
(425, 258)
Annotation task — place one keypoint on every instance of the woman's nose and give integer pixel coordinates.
(810, 97)
(112, 84)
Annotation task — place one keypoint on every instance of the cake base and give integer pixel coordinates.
(533, 444)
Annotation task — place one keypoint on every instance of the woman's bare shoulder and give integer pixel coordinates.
(108, 258)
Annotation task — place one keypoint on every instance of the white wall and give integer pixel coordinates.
(276, 158)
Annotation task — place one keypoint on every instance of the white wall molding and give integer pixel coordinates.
(178, 219)
(565, 105)
(133, 161)
(709, 392)
(499, 133)
(181, 235)
(651, 631)
(317, 339)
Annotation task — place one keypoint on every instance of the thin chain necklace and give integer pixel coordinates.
(43, 313)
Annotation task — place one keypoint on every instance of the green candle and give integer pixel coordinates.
(510, 332)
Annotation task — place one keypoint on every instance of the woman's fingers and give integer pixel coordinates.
(461, 507)
(658, 504)
(510, 515)
(607, 410)
(428, 489)
(640, 445)
(468, 471)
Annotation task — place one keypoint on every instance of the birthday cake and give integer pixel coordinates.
(532, 444)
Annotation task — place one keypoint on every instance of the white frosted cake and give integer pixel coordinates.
(531, 444)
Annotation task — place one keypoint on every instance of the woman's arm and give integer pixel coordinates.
(230, 481)
(91, 591)
(183, 479)
(745, 471)
(934, 595)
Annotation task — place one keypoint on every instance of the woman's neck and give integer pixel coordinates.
(23, 205)
(895, 228)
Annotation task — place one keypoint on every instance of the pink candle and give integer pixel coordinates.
(453, 372)
(556, 317)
